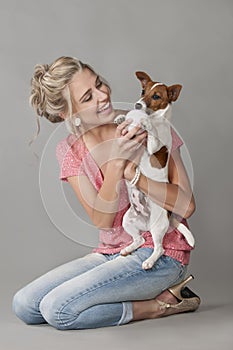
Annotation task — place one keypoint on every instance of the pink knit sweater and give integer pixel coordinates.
(74, 160)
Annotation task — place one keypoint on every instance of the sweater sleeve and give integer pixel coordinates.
(69, 159)
(176, 140)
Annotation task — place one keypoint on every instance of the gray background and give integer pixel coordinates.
(176, 41)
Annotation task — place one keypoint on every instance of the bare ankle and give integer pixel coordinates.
(151, 308)
(167, 297)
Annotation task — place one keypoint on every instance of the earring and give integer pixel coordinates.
(77, 122)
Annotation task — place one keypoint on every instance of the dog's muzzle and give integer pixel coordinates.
(140, 104)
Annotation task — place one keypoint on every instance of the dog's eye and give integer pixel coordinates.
(156, 97)
(143, 92)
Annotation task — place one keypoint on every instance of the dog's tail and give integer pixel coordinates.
(184, 230)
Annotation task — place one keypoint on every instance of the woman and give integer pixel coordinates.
(104, 288)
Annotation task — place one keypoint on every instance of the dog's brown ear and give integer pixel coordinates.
(143, 77)
(173, 92)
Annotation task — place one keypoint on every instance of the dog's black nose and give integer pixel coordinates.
(138, 105)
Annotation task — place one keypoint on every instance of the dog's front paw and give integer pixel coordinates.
(119, 119)
(125, 251)
(137, 242)
(149, 263)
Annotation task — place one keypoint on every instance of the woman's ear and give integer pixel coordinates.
(62, 115)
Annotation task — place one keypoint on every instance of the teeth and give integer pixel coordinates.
(104, 108)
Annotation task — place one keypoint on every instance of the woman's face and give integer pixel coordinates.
(91, 99)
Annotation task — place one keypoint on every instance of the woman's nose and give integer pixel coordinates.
(101, 94)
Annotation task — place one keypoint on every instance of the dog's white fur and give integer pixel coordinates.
(144, 214)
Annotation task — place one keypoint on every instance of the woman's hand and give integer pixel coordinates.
(128, 145)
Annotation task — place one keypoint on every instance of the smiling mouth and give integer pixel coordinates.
(104, 108)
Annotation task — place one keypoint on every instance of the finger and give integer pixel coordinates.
(136, 138)
(141, 137)
(134, 144)
(133, 133)
(123, 127)
(140, 146)
(124, 132)
(136, 151)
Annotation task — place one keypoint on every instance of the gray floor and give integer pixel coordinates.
(211, 327)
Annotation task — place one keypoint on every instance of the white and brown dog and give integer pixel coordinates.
(153, 111)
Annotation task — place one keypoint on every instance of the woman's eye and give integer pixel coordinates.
(99, 84)
(88, 98)
(156, 97)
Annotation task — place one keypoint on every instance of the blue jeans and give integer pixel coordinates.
(96, 290)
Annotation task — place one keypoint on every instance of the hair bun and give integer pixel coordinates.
(40, 71)
(38, 98)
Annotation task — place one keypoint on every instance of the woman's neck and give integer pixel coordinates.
(101, 132)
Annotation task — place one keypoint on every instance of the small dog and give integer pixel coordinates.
(153, 111)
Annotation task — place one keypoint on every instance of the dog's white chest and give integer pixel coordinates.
(151, 172)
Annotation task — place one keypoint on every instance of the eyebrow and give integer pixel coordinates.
(89, 90)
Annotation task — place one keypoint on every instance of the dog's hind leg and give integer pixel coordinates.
(159, 224)
(133, 228)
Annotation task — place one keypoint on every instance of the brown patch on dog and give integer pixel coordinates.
(159, 159)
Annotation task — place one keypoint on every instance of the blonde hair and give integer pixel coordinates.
(50, 93)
